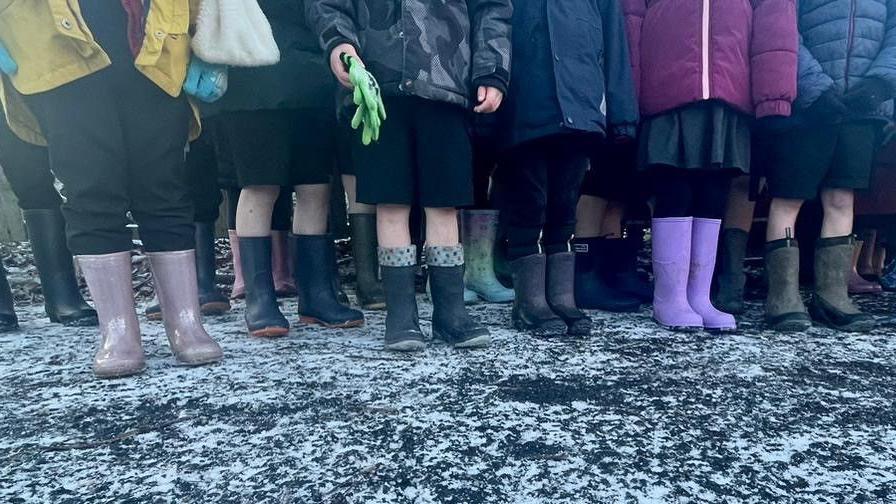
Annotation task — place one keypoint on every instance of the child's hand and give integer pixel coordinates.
(338, 67)
(489, 100)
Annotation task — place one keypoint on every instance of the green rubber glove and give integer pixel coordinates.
(371, 111)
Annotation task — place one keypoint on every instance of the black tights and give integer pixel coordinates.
(690, 193)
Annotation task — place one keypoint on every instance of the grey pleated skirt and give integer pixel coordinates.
(707, 135)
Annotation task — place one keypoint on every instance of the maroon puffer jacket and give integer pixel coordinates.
(741, 52)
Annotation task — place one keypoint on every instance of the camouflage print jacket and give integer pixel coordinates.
(433, 49)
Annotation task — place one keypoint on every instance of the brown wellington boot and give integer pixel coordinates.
(109, 280)
(857, 283)
(867, 242)
(174, 275)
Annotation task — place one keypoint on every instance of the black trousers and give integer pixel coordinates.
(690, 193)
(202, 175)
(27, 168)
(117, 143)
(538, 185)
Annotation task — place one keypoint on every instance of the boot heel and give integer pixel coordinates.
(269, 332)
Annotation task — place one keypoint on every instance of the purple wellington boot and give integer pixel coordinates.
(671, 239)
(704, 244)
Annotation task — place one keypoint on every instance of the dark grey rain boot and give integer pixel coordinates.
(830, 304)
(561, 293)
(367, 268)
(531, 312)
(451, 322)
(318, 303)
(784, 308)
(399, 271)
(730, 277)
(62, 296)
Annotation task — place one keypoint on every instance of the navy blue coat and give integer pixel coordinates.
(571, 72)
(843, 42)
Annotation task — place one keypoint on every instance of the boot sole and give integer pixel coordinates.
(860, 326)
(342, 325)
(554, 328)
(197, 363)
(680, 329)
(118, 373)
(269, 332)
(214, 309)
(374, 306)
(791, 326)
(477, 342)
(90, 321)
(720, 330)
(406, 346)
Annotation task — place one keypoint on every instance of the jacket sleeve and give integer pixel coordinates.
(621, 102)
(491, 31)
(884, 65)
(774, 47)
(634, 11)
(811, 80)
(333, 21)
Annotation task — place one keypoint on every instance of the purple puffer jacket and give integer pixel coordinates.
(741, 52)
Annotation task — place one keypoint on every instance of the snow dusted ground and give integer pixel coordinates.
(633, 414)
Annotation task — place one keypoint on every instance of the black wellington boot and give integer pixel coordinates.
(620, 268)
(8, 320)
(318, 302)
(364, 244)
(830, 304)
(451, 322)
(531, 312)
(403, 332)
(211, 301)
(263, 316)
(561, 293)
(592, 267)
(731, 277)
(62, 296)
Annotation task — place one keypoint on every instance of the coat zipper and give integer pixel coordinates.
(705, 49)
(852, 27)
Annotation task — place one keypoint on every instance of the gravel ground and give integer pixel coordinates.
(632, 414)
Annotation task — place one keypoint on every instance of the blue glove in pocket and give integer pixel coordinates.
(7, 64)
(205, 81)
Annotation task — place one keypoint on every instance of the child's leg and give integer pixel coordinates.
(522, 181)
(441, 227)
(567, 170)
(838, 205)
(393, 226)
(590, 215)
(254, 211)
(782, 216)
(312, 209)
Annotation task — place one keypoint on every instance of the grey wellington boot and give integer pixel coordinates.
(830, 304)
(109, 280)
(561, 296)
(784, 308)
(531, 312)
